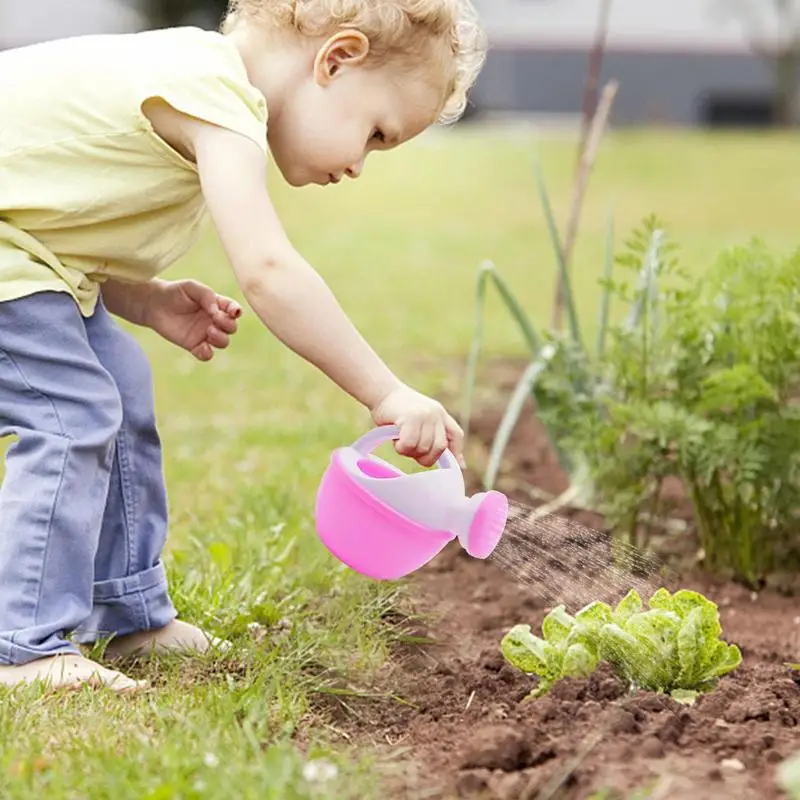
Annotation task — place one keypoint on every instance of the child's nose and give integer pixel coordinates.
(356, 169)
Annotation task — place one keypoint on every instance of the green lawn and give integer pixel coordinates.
(248, 436)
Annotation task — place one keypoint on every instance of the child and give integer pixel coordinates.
(111, 150)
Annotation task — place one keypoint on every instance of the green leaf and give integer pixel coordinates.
(661, 599)
(595, 613)
(648, 275)
(732, 389)
(486, 273)
(557, 625)
(605, 300)
(569, 298)
(221, 554)
(579, 661)
(685, 601)
(630, 604)
(529, 653)
(727, 657)
(686, 697)
(164, 791)
(518, 314)
(522, 392)
(620, 649)
(655, 632)
(698, 646)
(789, 776)
(553, 658)
(588, 624)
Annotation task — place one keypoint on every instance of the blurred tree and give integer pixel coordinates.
(169, 13)
(772, 28)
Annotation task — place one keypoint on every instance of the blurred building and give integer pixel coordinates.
(27, 21)
(683, 62)
(677, 61)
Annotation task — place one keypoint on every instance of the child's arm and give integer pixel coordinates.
(185, 312)
(290, 297)
(128, 300)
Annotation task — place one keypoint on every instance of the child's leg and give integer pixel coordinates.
(130, 590)
(65, 409)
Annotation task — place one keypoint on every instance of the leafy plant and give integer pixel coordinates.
(707, 394)
(562, 653)
(697, 382)
(789, 777)
(673, 646)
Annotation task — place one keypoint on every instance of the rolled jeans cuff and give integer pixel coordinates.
(132, 604)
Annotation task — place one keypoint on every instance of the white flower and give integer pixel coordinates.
(319, 771)
(211, 760)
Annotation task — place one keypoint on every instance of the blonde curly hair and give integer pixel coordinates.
(447, 33)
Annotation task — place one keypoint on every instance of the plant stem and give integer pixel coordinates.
(703, 523)
(595, 66)
(632, 525)
(579, 189)
(652, 513)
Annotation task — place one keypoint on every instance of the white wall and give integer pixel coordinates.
(27, 21)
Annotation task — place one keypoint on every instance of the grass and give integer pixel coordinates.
(248, 436)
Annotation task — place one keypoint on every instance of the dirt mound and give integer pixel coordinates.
(615, 728)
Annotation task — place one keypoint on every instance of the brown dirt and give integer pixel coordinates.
(470, 732)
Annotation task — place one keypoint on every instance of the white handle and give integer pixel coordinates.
(369, 441)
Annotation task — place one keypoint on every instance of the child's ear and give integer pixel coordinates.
(343, 49)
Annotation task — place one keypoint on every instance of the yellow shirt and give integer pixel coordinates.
(88, 191)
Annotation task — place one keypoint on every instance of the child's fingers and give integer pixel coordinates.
(217, 338)
(406, 445)
(225, 323)
(439, 441)
(425, 441)
(433, 443)
(455, 436)
(203, 352)
(231, 308)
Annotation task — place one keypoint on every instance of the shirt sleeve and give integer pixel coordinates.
(210, 84)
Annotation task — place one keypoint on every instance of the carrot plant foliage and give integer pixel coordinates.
(697, 381)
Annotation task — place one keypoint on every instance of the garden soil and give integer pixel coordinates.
(466, 729)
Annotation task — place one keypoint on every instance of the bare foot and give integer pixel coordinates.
(67, 671)
(174, 637)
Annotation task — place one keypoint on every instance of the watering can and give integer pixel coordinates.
(385, 524)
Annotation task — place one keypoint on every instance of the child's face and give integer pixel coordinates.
(344, 111)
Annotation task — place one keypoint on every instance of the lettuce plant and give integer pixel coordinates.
(673, 646)
(563, 652)
(789, 776)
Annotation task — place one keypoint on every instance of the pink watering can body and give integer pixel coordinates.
(385, 523)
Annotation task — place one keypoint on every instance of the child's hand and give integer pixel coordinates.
(426, 429)
(192, 316)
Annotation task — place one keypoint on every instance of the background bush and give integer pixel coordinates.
(699, 381)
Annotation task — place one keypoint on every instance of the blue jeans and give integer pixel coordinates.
(83, 506)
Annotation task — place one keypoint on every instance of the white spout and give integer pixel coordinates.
(462, 515)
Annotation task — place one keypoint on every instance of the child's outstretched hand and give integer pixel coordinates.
(193, 316)
(426, 429)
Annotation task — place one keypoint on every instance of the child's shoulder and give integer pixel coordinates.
(179, 51)
(181, 47)
(96, 85)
